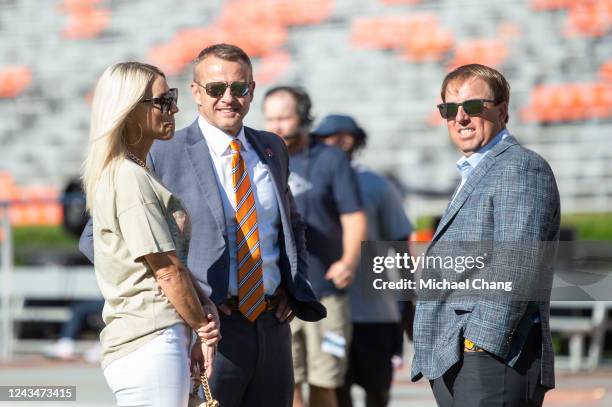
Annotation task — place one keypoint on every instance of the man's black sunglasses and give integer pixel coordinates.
(238, 89)
(165, 101)
(470, 107)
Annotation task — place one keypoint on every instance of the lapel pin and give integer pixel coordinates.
(269, 152)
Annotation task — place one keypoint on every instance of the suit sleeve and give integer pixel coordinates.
(526, 220)
(86, 241)
(297, 223)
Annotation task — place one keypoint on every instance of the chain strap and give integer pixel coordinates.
(210, 402)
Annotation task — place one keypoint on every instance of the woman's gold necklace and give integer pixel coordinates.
(137, 160)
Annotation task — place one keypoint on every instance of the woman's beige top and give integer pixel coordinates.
(132, 218)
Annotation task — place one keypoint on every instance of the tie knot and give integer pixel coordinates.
(235, 146)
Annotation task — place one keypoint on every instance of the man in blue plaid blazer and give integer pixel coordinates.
(480, 350)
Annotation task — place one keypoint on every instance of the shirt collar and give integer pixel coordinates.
(218, 140)
(474, 159)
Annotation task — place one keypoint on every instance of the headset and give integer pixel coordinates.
(302, 105)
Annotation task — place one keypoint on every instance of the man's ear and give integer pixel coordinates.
(503, 112)
(195, 93)
(252, 90)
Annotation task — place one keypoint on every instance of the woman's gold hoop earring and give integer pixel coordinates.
(139, 139)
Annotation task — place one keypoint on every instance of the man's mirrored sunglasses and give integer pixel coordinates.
(470, 107)
(165, 101)
(238, 89)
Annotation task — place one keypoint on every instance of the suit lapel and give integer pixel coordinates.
(199, 156)
(472, 182)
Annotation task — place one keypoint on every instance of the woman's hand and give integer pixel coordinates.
(202, 359)
(211, 332)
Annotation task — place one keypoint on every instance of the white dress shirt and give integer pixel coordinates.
(266, 205)
(465, 165)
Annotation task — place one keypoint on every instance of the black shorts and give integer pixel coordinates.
(372, 347)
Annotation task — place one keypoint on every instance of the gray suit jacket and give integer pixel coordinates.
(511, 196)
(184, 166)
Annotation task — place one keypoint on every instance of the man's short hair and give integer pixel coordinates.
(227, 52)
(302, 102)
(492, 77)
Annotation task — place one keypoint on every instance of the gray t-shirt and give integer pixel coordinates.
(387, 221)
(134, 215)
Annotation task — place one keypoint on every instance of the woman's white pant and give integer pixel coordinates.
(154, 375)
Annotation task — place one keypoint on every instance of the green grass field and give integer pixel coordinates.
(588, 227)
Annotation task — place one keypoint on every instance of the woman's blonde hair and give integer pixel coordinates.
(118, 91)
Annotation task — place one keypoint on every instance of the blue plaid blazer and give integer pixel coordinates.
(511, 196)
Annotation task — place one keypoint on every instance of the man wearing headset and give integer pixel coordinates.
(326, 193)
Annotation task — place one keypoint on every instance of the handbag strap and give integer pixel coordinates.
(206, 386)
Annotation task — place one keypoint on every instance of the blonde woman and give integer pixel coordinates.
(140, 237)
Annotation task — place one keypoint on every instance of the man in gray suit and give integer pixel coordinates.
(477, 350)
(253, 366)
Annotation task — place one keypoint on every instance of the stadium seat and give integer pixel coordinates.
(542, 5)
(7, 186)
(428, 44)
(36, 205)
(272, 67)
(69, 6)
(509, 31)
(492, 52)
(168, 57)
(569, 102)
(605, 71)
(419, 35)
(14, 80)
(589, 19)
(278, 12)
(86, 23)
(392, 2)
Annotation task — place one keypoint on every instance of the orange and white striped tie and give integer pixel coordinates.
(250, 271)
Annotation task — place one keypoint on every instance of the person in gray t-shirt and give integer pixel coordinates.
(377, 332)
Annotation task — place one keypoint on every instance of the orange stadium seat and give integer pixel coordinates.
(601, 107)
(509, 31)
(418, 35)
(256, 40)
(550, 4)
(86, 23)
(391, 2)
(589, 19)
(36, 205)
(569, 102)
(492, 52)
(272, 67)
(7, 186)
(605, 71)
(68, 6)
(14, 80)
(32, 205)
(278, 12)
(428, 44)
(168, 57)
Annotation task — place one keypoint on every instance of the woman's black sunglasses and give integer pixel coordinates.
(470, 107)
(165, 101)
